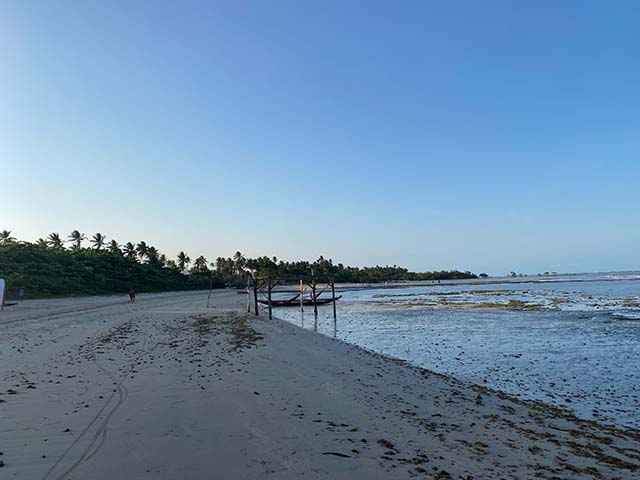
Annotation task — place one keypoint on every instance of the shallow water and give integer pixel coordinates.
(580, 352)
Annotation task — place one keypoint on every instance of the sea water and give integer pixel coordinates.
(577, 344)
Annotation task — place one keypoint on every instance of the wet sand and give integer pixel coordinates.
(166, 388)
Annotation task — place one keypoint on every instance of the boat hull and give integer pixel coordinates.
(296, 303)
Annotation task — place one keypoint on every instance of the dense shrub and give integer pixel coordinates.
(48, 272)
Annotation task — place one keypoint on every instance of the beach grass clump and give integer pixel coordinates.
(231, 324)
(386, 444)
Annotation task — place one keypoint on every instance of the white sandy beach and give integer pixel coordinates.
(96, 388)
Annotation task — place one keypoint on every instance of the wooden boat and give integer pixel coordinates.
(295, 302)
(281, 303)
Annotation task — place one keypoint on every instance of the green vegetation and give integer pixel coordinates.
(47, 268)
(229, 269)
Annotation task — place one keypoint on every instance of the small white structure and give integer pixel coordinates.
(3, 287)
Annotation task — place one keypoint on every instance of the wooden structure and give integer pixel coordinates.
(264, 285)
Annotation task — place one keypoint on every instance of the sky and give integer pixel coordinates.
(485, 136)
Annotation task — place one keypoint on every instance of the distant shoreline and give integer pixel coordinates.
(344, 287)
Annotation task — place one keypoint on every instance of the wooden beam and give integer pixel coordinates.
(269, 290)
(209, 296)
(333, 294)
(301, 297)
(248, 296)
(255, 295)
(315, 304)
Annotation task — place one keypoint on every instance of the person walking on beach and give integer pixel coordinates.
(21, 294)
(132, 296)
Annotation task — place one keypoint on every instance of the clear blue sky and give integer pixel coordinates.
(490, 136)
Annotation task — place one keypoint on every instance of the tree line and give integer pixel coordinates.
(228, 269)
(141, 251)
(75, 265)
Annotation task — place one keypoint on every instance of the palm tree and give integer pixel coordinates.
(76, 238)
(239, 261)
(98, 240)
(5, 237)
(183, 261)
(42, 243)
(152, 255)
(55, 241)
(114, 247)
(321, 266)
(200, 264)
(142, 250)
(129, 250)
(219, 266)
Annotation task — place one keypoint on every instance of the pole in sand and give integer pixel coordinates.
(269, 290)
(210, 289)
(248, 296)
(301, 297)
(333, 294)
(335, 321)
(315, 304)
(255, 295)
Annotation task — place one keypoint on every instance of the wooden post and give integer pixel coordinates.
(313, 292)
(248, 296)
(301, 297)
(269, 281)
(333, 294)
(210, 288)
(315, 305)
(335, 321)
(255, 295)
